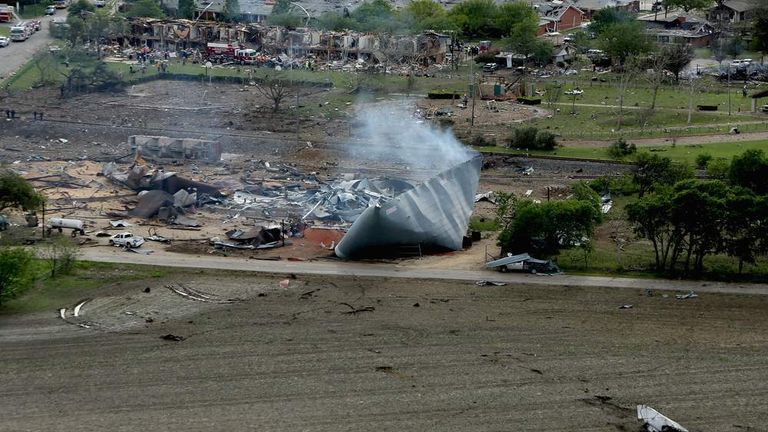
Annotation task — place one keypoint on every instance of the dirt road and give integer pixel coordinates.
(16, 54)
(356, 353)
(406, 271)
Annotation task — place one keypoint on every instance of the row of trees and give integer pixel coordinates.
(687, 219)
(474, 19)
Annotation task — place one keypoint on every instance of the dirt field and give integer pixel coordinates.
(362, 354)
(80, 134)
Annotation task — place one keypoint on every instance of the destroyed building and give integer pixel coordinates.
(432, 215)
(175, 34)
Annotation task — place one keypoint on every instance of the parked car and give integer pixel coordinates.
(36, 25)
(764, 109)
(100, 3)
(4, 41)
(490, 67)
(127, 240)
(50, 10)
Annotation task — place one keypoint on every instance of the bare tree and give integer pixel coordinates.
(552, 95)
(61, 254)
(274, 88)
(625, 79)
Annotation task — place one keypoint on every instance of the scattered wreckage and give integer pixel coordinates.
(655, 421)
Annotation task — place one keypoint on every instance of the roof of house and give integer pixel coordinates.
(553, 9)
(247, 7)
(739, 5)
(594, 5)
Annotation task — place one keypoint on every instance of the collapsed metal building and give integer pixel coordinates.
(433, 215)
(426, 48)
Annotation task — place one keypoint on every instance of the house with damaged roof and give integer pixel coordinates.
(678, 27)
(589, 7)
(557, 15)
(734, 11)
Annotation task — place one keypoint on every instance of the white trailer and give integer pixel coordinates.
(76, 225)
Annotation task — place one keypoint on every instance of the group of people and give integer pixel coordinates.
(11, 114)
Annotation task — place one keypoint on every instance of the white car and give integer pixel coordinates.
(4, 41)
(100, 3)
(127, 240)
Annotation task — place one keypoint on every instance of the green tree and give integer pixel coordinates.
(624, 40)
(335, 22)
(145, 8)
(15, 272)
(548, 227)
(187, 9)
(652, 170)
(687, 5)
(231, 12)
(607, 17)
(746, 228)
(281, 7)
(760, 29)
(651, 218)
(80, 6)
(375, 15)
(15, 191)
(420, 15)
(699, 214)
(476, 18)
(517, 17)
(750, 170)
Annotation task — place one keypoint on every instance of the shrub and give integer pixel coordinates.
(15, 272)
(702, 160)
(532, 139)
(718, 169)
(482, 141)
(621, 148)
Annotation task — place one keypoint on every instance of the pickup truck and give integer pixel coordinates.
(126, 240)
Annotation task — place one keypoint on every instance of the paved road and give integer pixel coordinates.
(341, 268)
(16, 54)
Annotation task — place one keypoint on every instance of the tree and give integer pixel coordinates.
(15, 191)
(375, 15)
(624, 40)
(420, 15)
(274, 88)
(750, 170)
(760, 29)
(187, 9)
(145, 8)
(281, 7)
(476, 18)
(687, 5)
(607, 17)
(651, 217)
(746, 228)
(548, 227)
(231, 11)
(15, 272)
(677, 56)
(60, 254)
(517, 18)
(652, 170)
(80, 6)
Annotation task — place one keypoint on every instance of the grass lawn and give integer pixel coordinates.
(33, 10)
(5, 31)
(682, 153)
(49, 294)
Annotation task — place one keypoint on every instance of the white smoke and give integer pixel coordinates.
(391, 133)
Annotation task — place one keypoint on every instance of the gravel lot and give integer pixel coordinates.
(417, 355)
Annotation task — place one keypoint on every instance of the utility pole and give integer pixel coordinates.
(729, 89)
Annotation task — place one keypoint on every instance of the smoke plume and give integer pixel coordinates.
(391, 133)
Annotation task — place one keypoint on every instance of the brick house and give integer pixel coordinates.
(557, 16)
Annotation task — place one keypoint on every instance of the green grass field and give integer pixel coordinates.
(5, 31)
(681, 153)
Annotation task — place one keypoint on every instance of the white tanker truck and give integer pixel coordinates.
(76, 225)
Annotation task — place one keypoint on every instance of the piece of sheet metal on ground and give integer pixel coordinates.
(435, 213)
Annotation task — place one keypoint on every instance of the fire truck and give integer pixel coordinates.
(6, 13)
(221, 52)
